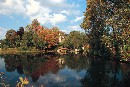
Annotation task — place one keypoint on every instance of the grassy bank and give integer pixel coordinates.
(15, 50)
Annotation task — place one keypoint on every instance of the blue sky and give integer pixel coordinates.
(67, 15)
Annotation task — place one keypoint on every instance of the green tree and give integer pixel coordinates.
(20, 32)
(11, 37)
(4, 44)
(94, 25)
(39, 43)
(112, 14)
(119, 21)
(35, 30)
(75, 40)
(27, 41)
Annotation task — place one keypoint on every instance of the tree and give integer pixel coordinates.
(50, 36)
(39, 43)
(20, 32)
(119, 21)
(103, 14)
(35, 30)
(4, 44)
(27, 41)
(75, 40)
(94, 25)
(34, 26)
(11, 37)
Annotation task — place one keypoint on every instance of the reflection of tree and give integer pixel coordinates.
(32, 65)
(126, 72)
(20, 70)
(50, 66)
(11, 62)
(76, 61)
(99, 73)
(127, 80)
(105, 74)
(95, 75)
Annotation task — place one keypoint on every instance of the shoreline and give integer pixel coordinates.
(15, 51)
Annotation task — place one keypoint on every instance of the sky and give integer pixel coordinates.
(67, 15)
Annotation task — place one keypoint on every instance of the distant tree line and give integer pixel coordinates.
(38, 37)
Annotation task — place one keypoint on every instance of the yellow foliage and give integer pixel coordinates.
(24, 81)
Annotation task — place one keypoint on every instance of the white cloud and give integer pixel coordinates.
(65, 12)
(49, 12)
(56, 18)
(75, 27)
(46, 11)
(70, 28)
(59, 4)
(70, 12)
(32, 8)
(77, 19)
(8, 7)
(51, 19)
(57, 1)
(61, 78)
(66, 31)
(2, 32)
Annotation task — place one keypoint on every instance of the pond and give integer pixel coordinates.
(71, 70)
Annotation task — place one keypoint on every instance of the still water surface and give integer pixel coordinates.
(72, 70)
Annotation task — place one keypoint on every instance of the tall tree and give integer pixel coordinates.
(113, 14)
(120, 23)
(94, 26)
(27, 41)
(11, 37)
(20, 32)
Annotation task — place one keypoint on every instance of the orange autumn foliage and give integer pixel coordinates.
(49, 36)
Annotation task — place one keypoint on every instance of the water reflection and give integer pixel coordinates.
(107, 74)
(31, 65)
(66, 71)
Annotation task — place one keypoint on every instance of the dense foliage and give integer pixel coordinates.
(107, 25)
(75, 40)
(33, 36)
(37, 37)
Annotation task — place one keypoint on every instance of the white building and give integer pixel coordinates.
(61, 37)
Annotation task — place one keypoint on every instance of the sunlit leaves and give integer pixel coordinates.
(42, 36)
(112, 13)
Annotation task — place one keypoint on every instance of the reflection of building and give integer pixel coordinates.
(0, 43)
(61, 61)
